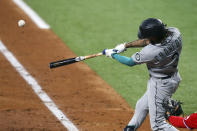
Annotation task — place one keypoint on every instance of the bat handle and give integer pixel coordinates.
(93, 55)
(81, 58)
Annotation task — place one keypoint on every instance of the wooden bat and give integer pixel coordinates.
(72, 60)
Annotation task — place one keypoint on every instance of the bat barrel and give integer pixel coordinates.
(62, 62)
(72, 60)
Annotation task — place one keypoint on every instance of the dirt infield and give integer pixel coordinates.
(88, 101)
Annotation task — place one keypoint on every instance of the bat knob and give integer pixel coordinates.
(50, 66)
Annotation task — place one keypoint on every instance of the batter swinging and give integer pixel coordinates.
(162, 48)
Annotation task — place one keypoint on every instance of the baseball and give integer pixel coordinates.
(21, 23)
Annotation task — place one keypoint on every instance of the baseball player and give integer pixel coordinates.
(161, 50)
(175, 115)
(189, 121)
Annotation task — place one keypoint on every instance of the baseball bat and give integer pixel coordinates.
(72, 60)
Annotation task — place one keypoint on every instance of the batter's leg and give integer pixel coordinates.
(157, 91)
(141, 111)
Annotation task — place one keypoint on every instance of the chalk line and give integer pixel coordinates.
(48, 102)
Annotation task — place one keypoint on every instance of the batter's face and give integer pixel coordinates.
(152, 40)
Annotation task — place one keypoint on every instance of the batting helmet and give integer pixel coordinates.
(152, 28)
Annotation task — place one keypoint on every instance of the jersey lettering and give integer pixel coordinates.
(162, 59)
(168, 50)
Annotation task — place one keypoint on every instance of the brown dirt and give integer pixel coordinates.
(88, 101)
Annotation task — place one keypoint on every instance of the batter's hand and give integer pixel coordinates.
(120, 48)
(109, 52)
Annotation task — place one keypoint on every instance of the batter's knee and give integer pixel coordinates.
(141, 104)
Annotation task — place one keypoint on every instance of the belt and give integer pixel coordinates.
(162, 77)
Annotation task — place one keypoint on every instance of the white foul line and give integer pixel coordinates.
(37, 89)
(32, 14)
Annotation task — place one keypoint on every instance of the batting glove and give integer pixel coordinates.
(109, 52)
(120, 48)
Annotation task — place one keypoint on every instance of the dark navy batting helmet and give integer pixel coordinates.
(152, 28)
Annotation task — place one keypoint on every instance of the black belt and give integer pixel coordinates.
(162, 77)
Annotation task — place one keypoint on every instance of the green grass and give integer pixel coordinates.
(89, 26)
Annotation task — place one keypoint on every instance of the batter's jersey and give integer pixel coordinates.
(162, 58)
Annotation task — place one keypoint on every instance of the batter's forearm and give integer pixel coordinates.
(137, 43)
(124, 60)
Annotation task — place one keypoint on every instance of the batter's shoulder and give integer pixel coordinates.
(174, 35)
(149, 48)
(174, 30)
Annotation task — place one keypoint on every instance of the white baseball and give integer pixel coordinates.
(21, 23)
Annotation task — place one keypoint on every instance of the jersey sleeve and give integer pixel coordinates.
(144, 56)
(191, 121)
(177, 121)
